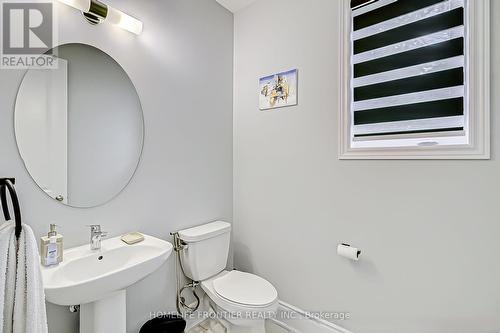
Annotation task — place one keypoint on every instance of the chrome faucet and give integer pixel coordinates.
(96, 236)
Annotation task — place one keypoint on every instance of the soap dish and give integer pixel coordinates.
(132, 238)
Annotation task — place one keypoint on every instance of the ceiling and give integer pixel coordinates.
(235, 5)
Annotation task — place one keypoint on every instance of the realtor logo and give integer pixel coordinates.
(27, 35)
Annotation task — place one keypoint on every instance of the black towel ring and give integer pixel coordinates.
(8, 184)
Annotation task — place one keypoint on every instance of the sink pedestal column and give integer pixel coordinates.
(106, 315)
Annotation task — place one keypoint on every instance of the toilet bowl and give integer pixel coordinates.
(242, 301)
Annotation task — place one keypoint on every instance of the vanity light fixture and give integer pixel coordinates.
(96, 12)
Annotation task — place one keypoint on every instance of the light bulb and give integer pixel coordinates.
(114, 16)
(124, 21)
(81, 5)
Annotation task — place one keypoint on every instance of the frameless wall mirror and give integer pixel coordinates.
(79, 128)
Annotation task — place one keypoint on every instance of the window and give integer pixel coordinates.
(416, 79)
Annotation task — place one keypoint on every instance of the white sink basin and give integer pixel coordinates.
(87, 276)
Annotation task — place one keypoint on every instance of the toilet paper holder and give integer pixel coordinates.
(347, 251)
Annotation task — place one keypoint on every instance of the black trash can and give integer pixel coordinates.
(165, 324)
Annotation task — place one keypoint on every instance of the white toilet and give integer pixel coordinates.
(243, 300)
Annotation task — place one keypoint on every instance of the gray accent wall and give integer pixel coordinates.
(182, 67)
(428, 229)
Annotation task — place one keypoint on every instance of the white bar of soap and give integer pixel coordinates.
(132, 238)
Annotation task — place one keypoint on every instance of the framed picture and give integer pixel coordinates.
(278, 90)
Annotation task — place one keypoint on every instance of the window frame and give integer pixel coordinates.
(477, 93)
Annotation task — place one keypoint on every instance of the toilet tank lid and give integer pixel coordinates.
(204, 231)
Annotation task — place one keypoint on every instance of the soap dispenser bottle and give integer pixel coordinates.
(51, 247)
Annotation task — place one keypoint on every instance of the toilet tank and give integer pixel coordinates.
(207, 249)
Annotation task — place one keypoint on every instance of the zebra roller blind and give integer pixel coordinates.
(408, 67)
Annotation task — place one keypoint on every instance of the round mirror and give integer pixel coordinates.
(79, 128)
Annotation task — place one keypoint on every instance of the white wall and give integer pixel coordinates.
(182, 68)
(429, 229)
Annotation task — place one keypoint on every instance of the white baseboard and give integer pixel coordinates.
(295, 320)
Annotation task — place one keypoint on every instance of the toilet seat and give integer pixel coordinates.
(232, 307)
(245, 289)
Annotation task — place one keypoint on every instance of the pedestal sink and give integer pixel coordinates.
(96, 280)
